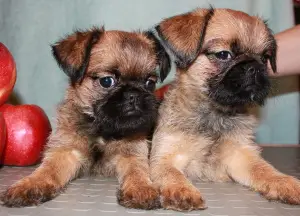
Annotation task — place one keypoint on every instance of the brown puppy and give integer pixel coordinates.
(204, 130)
(103, 122)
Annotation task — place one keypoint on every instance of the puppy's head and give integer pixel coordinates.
(222, 53)
(112, 79)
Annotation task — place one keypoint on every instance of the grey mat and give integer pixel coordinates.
(96, 196)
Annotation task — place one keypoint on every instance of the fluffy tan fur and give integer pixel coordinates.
(68, 149)
(180, 152)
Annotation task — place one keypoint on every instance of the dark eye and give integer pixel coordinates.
(265, 58)
(223, 55)
(107, 82)
(150, 84)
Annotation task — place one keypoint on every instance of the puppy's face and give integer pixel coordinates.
(222, 53)
(115, 89)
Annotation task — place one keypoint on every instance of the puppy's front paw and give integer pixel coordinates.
(283, 188)
(181, 198)
(28, 192)
(139, 196)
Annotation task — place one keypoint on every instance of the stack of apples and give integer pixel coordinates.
(24, 129)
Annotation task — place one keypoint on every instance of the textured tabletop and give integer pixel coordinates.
(96, 195)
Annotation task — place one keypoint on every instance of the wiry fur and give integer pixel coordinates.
(200, 137)
(81, 141)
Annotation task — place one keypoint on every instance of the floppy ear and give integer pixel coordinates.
(273, 48)
(273, 54)
(184, 34)
(72, 53)
(162, 56)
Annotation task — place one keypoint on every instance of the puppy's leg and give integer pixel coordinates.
(170, 154)
(59, 166)
(246, 166)
(177, 192)
(136, 189)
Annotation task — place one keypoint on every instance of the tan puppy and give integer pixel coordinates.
(103, 122)
(204, 130)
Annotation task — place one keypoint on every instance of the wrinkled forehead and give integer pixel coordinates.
(130, 53)
(249, 33)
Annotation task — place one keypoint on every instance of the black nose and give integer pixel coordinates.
(254, 67)
(131, 96)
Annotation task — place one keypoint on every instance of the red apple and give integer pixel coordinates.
(2, 135)
(7, 74)
(28, 128)
(159, 93)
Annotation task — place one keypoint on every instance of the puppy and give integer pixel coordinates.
(204, 130)
(103, 122)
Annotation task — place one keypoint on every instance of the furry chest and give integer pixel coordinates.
(202, 162)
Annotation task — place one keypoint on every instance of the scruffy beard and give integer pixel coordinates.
(237, 87)
(110, 118)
